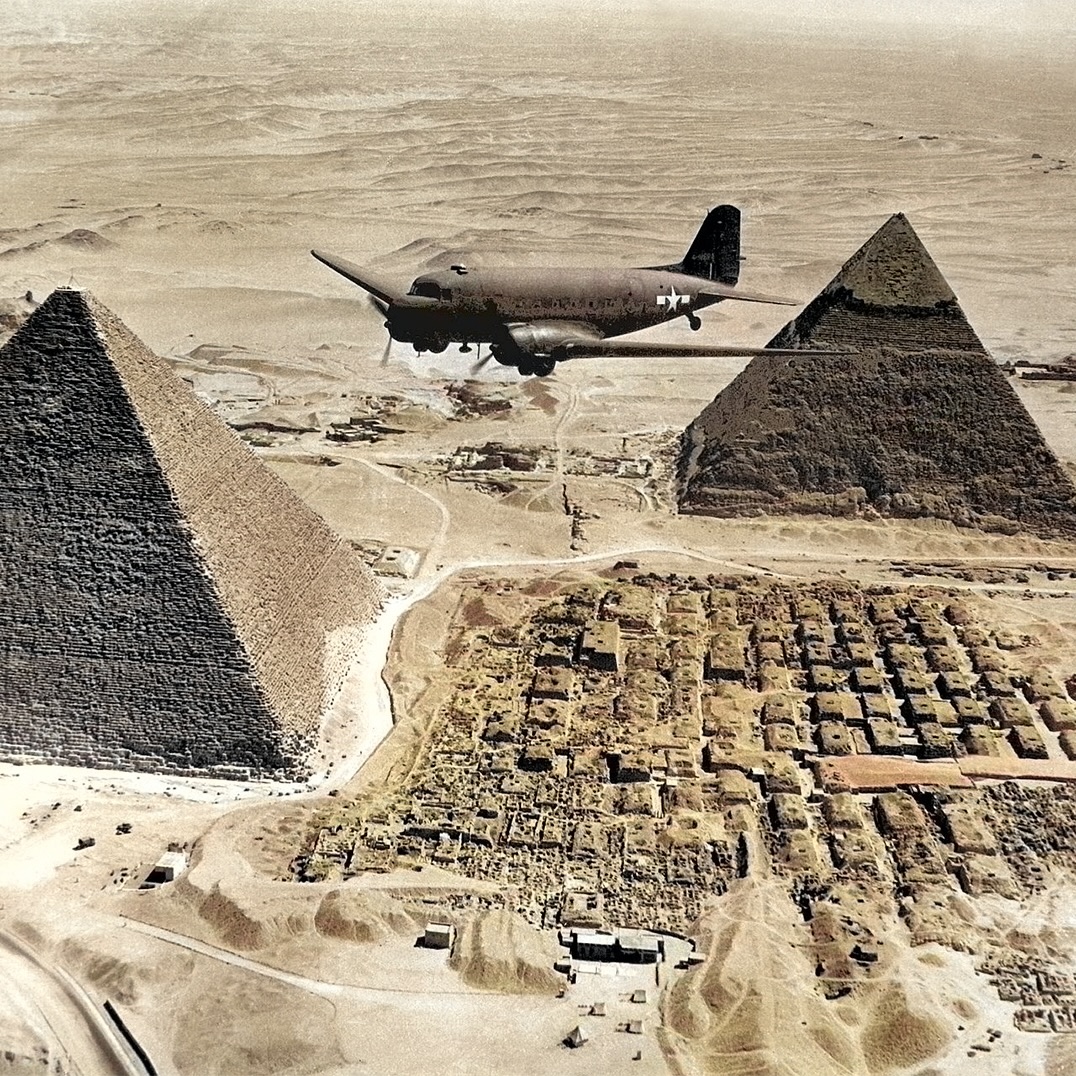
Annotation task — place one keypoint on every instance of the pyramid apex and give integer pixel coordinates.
(889, 293)
(893, 269)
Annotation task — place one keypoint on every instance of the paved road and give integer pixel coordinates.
(91, 1045)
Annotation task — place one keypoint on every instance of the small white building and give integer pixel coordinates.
(167, 869)
(439, 936)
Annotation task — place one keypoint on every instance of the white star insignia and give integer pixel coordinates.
(673, 299)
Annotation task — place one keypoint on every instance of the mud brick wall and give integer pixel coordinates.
(165, 601)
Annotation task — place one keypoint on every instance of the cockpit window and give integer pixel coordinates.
(427, 289)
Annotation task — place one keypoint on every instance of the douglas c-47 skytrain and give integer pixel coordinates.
(534, 318)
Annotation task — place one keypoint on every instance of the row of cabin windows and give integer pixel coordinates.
(429, 290)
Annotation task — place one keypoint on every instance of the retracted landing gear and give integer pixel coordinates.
(537, 367)
(527, 363)
(436, 344)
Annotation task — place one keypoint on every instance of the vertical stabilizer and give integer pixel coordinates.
(715, 252)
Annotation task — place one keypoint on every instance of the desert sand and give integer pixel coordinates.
(178, 161)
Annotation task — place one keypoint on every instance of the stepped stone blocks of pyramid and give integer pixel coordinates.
(167, 603)
(917, 420)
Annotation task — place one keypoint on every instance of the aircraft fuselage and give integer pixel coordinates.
(474, 305)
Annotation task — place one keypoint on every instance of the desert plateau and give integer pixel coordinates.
(365, 710)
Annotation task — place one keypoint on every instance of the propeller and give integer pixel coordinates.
(382, 309)
(480, 363)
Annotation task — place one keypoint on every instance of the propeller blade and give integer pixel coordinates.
(480, 363)
(381, 307)
(385, 355)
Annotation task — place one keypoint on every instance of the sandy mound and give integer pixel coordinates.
(126, 977)
(499, 950)
(901, 1031)
(247, 917)
(222, 901)
(361, 915)
(85, 239)
(752, 1006)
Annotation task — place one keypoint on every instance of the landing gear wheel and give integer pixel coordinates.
(437, 344)
(694, 322)
(526, 370)
(544, 367)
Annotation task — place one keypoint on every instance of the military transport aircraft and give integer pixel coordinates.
(534, 318)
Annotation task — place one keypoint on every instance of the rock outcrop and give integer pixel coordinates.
(167, 603)
(916, 420)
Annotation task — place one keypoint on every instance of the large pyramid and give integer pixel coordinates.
(167, 603)
(917, 421)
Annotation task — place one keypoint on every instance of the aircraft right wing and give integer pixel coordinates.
(369, 283)
(585, 349)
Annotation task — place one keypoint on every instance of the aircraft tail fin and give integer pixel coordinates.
(714, 253)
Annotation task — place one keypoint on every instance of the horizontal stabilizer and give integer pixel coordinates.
(638, 349)
(713, 290)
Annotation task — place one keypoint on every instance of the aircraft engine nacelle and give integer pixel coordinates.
(534, 340)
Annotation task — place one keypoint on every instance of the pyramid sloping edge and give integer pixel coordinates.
(288, 582)
(167, 579)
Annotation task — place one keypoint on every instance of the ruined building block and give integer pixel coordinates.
(1011, 712)
(980, 740)
(842, 811)
(1067, 740)
(600, 646)
(969, 711)
(954, 685)
(897, 813)
(1027, 742)
(934, 741)
(1059, 716)
(553, 683)
(834, 738)
(788, 811)
(884, 737)
(868, 680)
(782, 737)
(725, 659)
